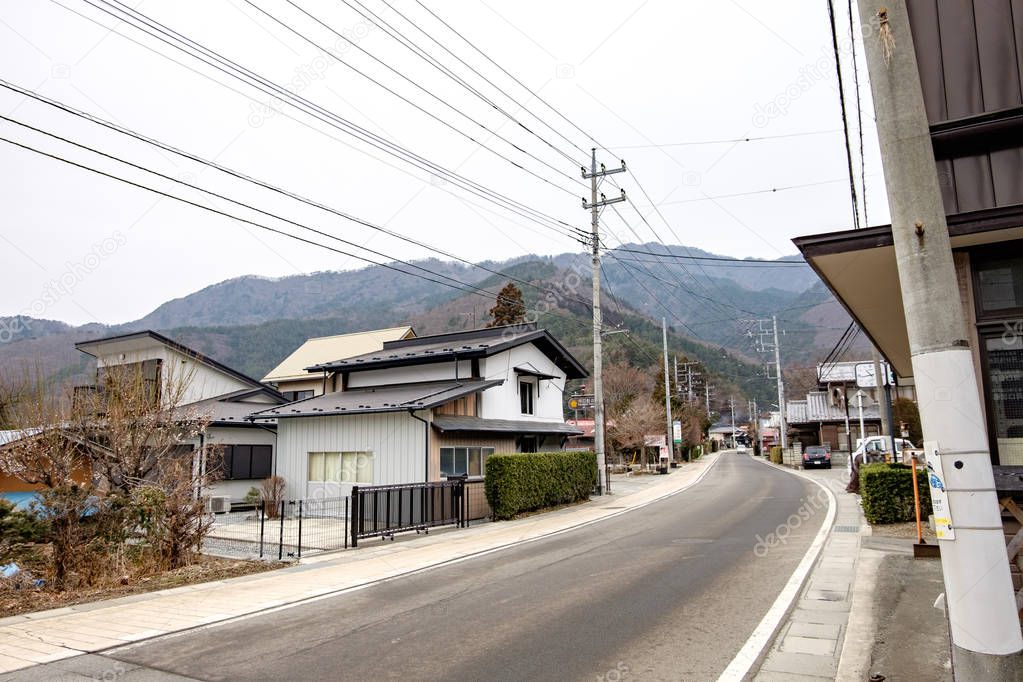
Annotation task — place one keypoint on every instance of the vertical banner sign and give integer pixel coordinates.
(939, 496)
(676, 432)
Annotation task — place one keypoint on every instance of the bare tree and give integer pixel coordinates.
(622, 383)
(627, 431)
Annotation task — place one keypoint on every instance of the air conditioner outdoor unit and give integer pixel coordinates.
(218, 505)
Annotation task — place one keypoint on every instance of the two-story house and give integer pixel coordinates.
(424, 408)
(188, 381)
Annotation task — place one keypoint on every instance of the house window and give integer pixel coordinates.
(460, 461)
(1003, 369)
(341, 467)
(245, 462)
(999, 285)
(292, 396)
(528, 444)
(526, 396)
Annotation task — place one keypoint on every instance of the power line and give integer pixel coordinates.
(419, 87)
(734, 140)
(859, 113)
(845, 122)
(766, 190)
(246, 178)
(723, 259)
(255, 81)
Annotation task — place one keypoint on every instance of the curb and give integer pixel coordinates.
(757, 646)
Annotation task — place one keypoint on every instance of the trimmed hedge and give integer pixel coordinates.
(887, 492)
(776, 454)
(528, 481)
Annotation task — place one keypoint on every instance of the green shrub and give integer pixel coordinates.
(776, 454)
(887, 492)
(529, 481)
(18, 525)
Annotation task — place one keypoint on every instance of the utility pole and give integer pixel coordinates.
(883, 398)
(783, 426)
(598, 371)
(706, 397)
(982, 612)
(689, 382)
(670, 439)
(731, 410)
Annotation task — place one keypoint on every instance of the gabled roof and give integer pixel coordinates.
(396, 398)
(328, 348)
(233, 409)
(475, 343)
(135, 341)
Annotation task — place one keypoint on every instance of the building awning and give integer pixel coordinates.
(451, 424)
(860, 269)
(530, 371)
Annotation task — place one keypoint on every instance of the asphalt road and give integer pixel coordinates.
(670, 591)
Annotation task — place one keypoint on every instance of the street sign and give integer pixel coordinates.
(581, 402)
(865, 374)
(676, 432)
(939, 495)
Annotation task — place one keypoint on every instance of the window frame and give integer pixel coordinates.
(978, 259)
(339, 466)
(529, 396)
(231, 451)
(484, 451)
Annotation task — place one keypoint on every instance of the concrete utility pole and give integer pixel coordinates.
(783, 426)
(984, 623)
(884, 403)
(598, 359)
(859, 406)
(670, 441)
(706, 397)
(731, 410)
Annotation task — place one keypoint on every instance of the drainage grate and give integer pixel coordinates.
(846, 529)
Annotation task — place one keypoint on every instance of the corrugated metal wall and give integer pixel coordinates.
(970, 56)
(395, 439)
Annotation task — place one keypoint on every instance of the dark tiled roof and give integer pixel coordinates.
(475, 343)
(479, 424)
(397, 398)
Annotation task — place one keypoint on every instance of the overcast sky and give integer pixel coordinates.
(640, 77)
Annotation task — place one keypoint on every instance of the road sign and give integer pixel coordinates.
(865, 375)
(939, 495)
(581, 402)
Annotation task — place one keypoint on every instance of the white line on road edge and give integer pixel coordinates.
(379, 581)
(764, 633)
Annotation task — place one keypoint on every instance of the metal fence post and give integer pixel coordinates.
(356, 514)
(300, 529)
(280, 546)
(346, 523)
(262, 523)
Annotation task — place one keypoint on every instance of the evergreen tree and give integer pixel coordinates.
(509, 308)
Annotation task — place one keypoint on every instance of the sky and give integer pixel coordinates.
(522, 92)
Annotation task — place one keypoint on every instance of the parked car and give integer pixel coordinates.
(816, 456)
(874, 448)
(740, 448)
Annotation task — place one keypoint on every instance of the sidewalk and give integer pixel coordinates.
(866, 607)
(808, 645)
(48, 636)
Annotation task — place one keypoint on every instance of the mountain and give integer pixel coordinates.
(252, 322)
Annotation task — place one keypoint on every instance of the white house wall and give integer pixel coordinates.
(203, 381)
(502, 402)
(396, 440)
(227, 435)
(437, 371)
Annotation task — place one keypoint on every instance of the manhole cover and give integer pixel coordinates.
(847, 529)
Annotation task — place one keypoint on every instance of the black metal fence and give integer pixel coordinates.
(384, 510)
(289, 529)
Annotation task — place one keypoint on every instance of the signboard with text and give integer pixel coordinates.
(939, 495)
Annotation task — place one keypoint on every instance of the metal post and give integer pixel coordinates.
(280, 545)
(262, 525)
(859, 406)
(783, 426)
(982, 609)
(300, 528)
(346, 523)
(356, 513)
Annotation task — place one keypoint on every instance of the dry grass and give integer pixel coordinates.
(902, 530)
(205, 569)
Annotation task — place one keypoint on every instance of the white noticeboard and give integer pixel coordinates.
(939, 496)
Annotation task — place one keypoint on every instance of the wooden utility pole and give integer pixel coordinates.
(594, 207)
(981, 604)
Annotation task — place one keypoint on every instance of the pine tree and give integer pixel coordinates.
(509, 308)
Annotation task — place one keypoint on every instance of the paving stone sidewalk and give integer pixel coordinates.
(808, 645)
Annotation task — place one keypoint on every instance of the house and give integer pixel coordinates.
(723, 434)
(425, 408)
(295, 383)
(200, 384)
(828, 414)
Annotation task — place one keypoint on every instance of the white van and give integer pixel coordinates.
(874, 447)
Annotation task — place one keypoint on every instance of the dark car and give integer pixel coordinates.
(816, 456)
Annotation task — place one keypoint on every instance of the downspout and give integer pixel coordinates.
(426, 441)
(202, 465)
